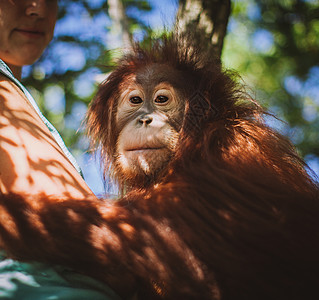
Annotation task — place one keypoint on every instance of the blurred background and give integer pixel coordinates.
(272, 44)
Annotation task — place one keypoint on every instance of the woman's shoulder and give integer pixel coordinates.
(10, 91)
(6, 76)
(9, 85)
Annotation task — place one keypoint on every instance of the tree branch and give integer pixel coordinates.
(208, 19)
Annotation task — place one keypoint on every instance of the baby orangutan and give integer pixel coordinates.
(149, 115)
(218, 205)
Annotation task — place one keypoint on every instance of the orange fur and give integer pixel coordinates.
(235, 215)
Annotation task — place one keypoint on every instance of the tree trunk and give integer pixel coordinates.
(120, 28)
(207, 19)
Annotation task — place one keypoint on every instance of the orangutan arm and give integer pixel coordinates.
(120, 244)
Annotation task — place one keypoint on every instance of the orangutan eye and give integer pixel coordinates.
(136, 100)
(161, 99)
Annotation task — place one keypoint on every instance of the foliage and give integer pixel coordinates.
(274, 45)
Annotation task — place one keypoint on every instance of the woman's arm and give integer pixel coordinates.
(31, 160)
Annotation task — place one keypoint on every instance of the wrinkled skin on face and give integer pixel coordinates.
(149, 117)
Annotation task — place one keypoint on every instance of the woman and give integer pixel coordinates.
(26, 28)
(33, 156)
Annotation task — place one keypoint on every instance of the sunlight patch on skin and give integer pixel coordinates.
(4, 121)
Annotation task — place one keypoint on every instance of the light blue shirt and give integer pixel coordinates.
(38, 281)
